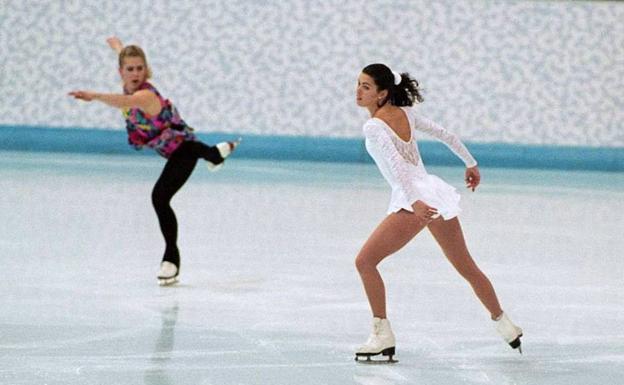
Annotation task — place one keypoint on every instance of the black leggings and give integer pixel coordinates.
(176, 172)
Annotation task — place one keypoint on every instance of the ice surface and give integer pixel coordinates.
(269, 293)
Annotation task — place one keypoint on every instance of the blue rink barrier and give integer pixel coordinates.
(325, 149)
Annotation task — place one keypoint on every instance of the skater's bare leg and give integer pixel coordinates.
(449, 236)
(391, 235)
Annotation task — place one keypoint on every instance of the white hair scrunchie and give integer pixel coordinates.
(397, 78)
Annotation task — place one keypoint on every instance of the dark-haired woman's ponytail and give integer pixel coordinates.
(414, 89)
(406, 92)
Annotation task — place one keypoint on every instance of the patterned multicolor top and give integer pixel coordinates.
(164, 132)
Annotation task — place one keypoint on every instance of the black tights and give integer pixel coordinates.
(176, 172)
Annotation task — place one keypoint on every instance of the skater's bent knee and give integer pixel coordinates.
(160, 200)
(364, 263)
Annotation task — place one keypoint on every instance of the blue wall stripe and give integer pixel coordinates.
(80, 140)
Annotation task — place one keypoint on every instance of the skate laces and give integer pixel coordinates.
(507, 329)
(374, 333)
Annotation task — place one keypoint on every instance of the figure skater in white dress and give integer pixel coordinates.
(418, 200)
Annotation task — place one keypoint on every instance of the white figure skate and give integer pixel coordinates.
(381, 341)
(168, 274)
(510, 332)
(225, 149)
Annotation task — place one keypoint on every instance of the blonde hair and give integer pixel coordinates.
(134, 51)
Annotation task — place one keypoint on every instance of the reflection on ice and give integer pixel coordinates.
(163, 348)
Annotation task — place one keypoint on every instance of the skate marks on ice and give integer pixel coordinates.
(208, 351)
(242, 320)
(421, 366)
(256, 357)
(483, 360)
(380, 375)
(228, 356)
(209, 283)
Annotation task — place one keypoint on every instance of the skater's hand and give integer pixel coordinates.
(424, 212)
(115, 43)
(87, 96)
(472, 177)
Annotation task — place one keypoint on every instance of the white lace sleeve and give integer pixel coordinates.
(451, 140)
(392, 165)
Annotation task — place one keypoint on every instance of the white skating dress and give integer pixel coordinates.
(400, 164)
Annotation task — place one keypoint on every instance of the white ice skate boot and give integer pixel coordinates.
(225, 149)
(510, 332)
(381, 341)
(168, 274)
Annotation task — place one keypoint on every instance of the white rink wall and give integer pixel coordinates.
(517, 72)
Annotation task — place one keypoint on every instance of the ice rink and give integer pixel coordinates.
(269, 293)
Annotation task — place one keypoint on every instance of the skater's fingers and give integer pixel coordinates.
(424, 212)
(473, 177)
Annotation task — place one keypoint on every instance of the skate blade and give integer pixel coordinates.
(515, 344)
(214, 167)
(367, 360)
(167, 281)
(387, 354)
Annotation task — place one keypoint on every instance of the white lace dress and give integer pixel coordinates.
(400, 164)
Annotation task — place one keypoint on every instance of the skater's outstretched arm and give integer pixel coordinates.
(143, 99)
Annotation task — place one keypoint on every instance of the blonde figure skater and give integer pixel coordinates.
(153, 121)
(418, 200)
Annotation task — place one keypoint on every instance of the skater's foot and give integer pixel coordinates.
(168, 274)
(510, 332)
(380, 342)
(225, 149)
